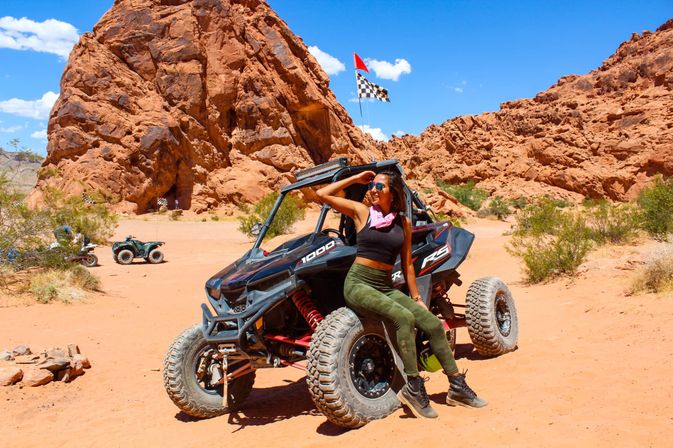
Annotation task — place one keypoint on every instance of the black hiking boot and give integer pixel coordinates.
(461, 394)
(413, 395)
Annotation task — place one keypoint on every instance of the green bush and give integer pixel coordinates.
(291, 211)
(542, 217)
(454, 220)
(467, 194)
(656, 208)
(28, 233)
(610, 223)
(519, 203)
(498, 207)
(559, 250)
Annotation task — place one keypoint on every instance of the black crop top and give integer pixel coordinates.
(384, 244)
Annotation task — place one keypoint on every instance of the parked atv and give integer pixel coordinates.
(125, 251)
(86, 256)
(286, 308)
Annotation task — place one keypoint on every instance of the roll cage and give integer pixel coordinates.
(334, 171)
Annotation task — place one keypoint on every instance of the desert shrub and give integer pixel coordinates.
(547, 255)
(549, 240)
(657, 275)
(467, 194)
(519, 203)
(656, 208)
(175, 215)
(26, 235)
(542, 217)
(454, 220)
(291, 211)
(497, 207)
(612, 223)
(215, 218)
(65, 285)
(80, 276)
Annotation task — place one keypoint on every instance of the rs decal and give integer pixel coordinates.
(438, 255)
(318, 252)
(397, 276)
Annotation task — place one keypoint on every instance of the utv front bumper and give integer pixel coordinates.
(228, 327)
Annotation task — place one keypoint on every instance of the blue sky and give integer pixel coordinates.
(438, 59)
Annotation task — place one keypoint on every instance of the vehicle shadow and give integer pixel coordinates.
(467, 351)
(268, 405)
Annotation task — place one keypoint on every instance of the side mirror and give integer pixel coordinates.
(256, 228)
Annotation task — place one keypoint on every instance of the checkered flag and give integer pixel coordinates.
(368, 89)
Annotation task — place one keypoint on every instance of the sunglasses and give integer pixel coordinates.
(378, 185)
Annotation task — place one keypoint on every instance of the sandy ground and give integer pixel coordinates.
(594, 366)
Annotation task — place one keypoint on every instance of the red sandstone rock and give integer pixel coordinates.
(206, 101)
(34, 376)
(216, 102)
(604, 134)
(10, 375)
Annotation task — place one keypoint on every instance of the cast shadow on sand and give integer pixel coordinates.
(268, 405)
(467, 351)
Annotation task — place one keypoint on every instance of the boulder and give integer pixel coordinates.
(10, 375)
(21, 350)
(54, 364)
(163, 93)
(34, 376)
(6, 356)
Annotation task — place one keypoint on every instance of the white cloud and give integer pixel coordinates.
(37, 109)
(460, 88)
(399, 133)
(50, 36)
(376, 133)
(386, 70)
(329, 63)
(11, 129)
(40, 135)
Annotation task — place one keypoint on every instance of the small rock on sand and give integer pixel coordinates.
(34, 376)
(21, 350)
(10, 375)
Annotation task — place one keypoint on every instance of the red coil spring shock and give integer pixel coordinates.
(307, 309)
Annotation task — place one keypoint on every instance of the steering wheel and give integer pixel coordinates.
(336, 232)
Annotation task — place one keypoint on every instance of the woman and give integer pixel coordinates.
(383, 233)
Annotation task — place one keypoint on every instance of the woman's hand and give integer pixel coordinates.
(364, 177)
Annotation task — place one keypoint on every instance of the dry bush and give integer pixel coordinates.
(657, 275)
(66, 286)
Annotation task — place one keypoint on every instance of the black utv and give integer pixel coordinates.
(286, 308)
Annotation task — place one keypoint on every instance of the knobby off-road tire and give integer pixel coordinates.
(183, 386)
(90, 261)
(124, 256)
(491, 317)
(330, 382)
(155, 256)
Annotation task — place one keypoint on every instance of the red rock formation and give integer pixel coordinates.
(204, 101)
(604, 134)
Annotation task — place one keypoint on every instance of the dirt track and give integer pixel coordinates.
(594, 367)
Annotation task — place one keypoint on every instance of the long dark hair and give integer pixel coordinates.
(397, 189)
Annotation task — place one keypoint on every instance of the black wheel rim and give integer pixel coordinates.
(372, 366)
(503, 314)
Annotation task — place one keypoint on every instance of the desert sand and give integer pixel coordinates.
(593, 367)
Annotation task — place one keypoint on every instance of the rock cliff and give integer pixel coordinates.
(603, 134)
(204, 102)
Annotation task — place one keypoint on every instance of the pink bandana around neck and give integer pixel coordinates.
(377, 220)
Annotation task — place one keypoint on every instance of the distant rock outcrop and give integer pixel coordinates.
(604, 134)
(201, 101)
(20, 169)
